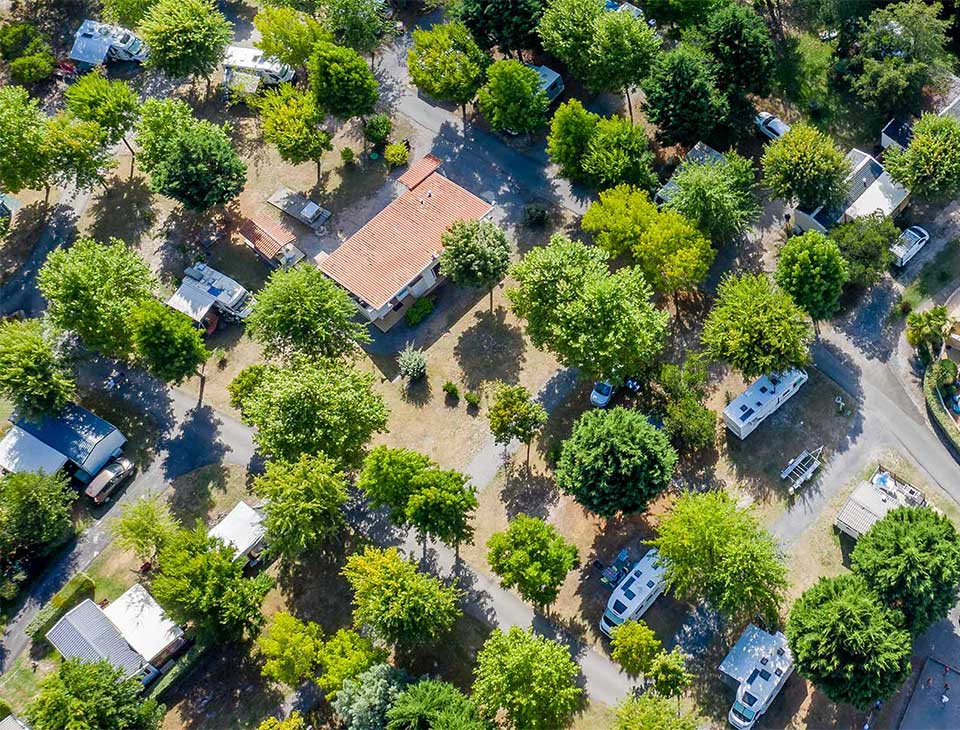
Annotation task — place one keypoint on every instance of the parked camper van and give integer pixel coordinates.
(764, 396)
(95, 43)
(758, 665)
(252, 61)
(635, 593)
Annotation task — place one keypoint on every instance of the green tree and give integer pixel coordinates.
(288, 34)
(113, 105)
(865, 245)
(304, 502)
(900, 49)
(618, 152)
(911, 560)
(291, 122)
(533, 557)
(509, 25)
(650, 712)
(363, 702)
(683, 13)
(198, 579)
(144, 527)
(201, 169)
(925, 329)
(623, 52)
(91, 288)
(682, 98)
(717, 552)
(756, 327)
(512, 100)
(668, 670)
(440, 506)
(311, 7)
(514, 414)
(356, 24)
(294, 722)
(301, 311)
(23, 163)
(811, 269)
(567, 32)
(571, 130)
(529, 678)
(850, 646)
(290, 647)
(399, 603)
(186, 37)
(429, 703)
(160, 125)
(32, 375)
(717, 197)
(166, 341)
(446, 62)
(615, 461)
(671, 254)
(343, 656)
(341, 82)
(633, 646)
(387, 478)
(805, 165)
(246, 382)
(76, 153)
(34, 512)
(686, 420)
(738, 40)
(92, 696)
(127, 13)
(930, 165)
(475, 253)
(312, 406)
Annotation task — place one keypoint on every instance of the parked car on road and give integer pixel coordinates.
(770, 125)
(909, 244)
(601, 394)
(110, 477)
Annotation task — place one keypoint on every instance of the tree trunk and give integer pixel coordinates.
(319, 163)
(626, 93)
(463, 109)
(491, 300)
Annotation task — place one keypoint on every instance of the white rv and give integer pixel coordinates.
(550, 82)
(95, 43)
(205, 290)
(764, 396)
(635, 593)
(758, 665)
(252, 61)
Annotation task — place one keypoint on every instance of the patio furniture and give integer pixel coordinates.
(299, 206)
(611, 575)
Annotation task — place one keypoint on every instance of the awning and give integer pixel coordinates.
(192, 302)
(21, 451)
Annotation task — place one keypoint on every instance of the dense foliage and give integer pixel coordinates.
(166, 341)
(811, 269)
(512, 99)
(33, 377)
(533, 557)
(186, 37)
(805, 165)
(930, 165)
(865, 245)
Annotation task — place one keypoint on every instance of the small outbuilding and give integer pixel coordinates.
(242, 529)
(873, 499)
(272, 240)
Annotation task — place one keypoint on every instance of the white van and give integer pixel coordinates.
(252, 61)
(635, 593)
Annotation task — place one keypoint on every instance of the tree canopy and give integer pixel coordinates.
(512, 99)
(291, 121)
(144, 527)
(363, 701)
(166, 341)
(475, 253)
(113, 105)
(75, 152)
(356, 24)
(440, 505)
(930, 165)
(91, 288)
(911, 560)
(618, 152)
(304, 502)
(811, 269)
(651, 712)
(509, 25)
(431, 704)
(341, 81)
(288, 34)
(622, 54)
(343, 656)
(738, 40)
(22, 134)
(32, 375)
(717, 552)
(34, 513)
(756, 327)
(446, 62)
(865, 245)
(186, 37)
(127, 13)
(805, 165)
(399, 603)
(567, 32)
(571, 130)
(533, 557)
(301, 311)
(615, 461)
(633, 646)
(529, 678)
(387, 478)
(850, 646)
(514, 414)
(290, 647)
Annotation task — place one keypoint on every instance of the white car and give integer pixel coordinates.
(770, 125)
(909, 244)
(601, 394)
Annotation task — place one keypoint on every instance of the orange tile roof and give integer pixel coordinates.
(419, 171)
(267, 235)
(402, 240)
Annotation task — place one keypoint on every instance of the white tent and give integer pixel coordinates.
(21, 451)
(193, 302)
(242, 529)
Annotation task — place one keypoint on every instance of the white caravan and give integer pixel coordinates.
(758, 665)
(95, 43)
(636, 592)
(252, 61)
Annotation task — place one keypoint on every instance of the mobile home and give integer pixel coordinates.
(96, 43)
(764, 396)
(758, 665)
(636, 592)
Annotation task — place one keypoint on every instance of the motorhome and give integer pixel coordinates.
(636, 592)
(764, 396)
(550, 82)
(758, 665)
(206, 296)
(252, 61)
(96, 43)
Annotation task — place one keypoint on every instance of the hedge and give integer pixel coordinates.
(79, 587)
(181, 667)
(943, 421)
(5, 710)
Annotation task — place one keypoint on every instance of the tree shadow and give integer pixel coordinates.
(313, 588)
(193, 498)
(870, 324)
(17, 245)
(196, 444)
(527, 492)
(417, 392)
(490, 350)
(123, 209)
(187, 236)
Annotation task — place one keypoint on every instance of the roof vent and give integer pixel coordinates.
(780, 651)
(429, 193)
(865, 183)
(764, 660)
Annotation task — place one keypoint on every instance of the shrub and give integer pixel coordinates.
(535, 214)
(33, 68)
(938, 409)
(377, 129)
(348, 155)
(412, 362)
(945, 372)
(182, 666)
(418, 311)
(76, 589)
(4, 709)
(15, 38)
(219, 356)
(396, 154)
(472, 399)
(451, 389)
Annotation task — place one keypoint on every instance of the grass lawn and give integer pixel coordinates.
(21, 682)
(935, 275)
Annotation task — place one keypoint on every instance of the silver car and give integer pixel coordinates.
(601, 394)
(110, 477)
(770, 125)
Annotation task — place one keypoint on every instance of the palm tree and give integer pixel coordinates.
(926, 329)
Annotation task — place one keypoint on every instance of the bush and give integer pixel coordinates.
(347, 155)
(78, 588)
(29, 55)
(938, 409)
(396, 154)
(182, 666)
(945, 372)
(377, 129)
(472, 399)
(418, 311)
(219, 356)
(5, 709)
(535, 214)
(412, 362)
(34, 68)
(451, 389)
(15, 39)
